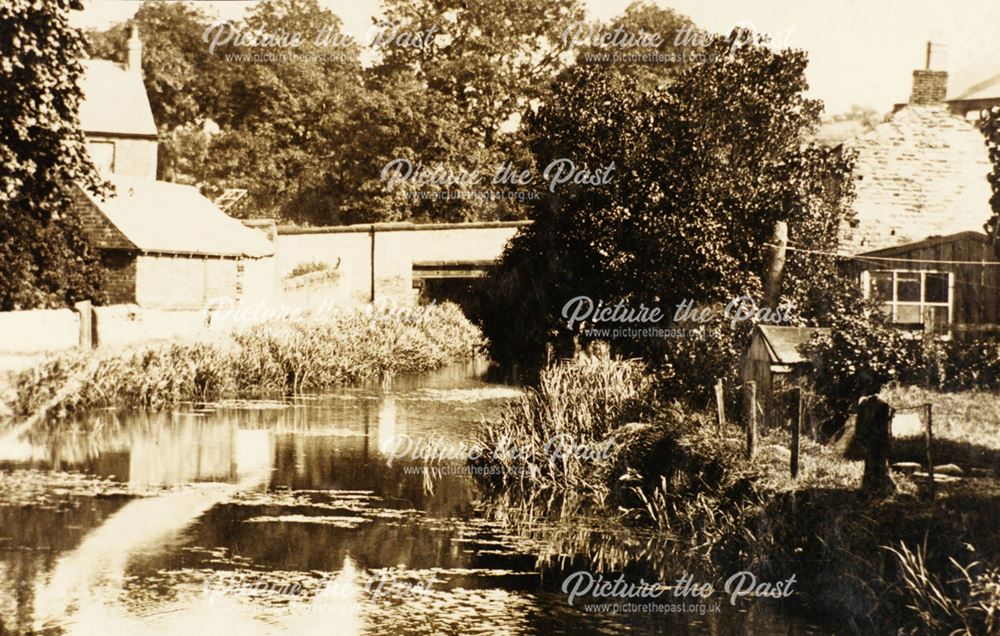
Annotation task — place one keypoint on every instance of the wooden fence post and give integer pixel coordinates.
(928, 442)
(720, 405)
(751, 415)
(796, 428)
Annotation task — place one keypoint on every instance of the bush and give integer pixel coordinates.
(858, 356)
(959, 366)
(862, 353)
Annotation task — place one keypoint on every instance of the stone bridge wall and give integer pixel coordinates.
(389, 249)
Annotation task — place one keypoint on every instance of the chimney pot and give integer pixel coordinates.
(133, 59)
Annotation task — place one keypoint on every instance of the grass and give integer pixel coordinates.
(271, 358)
(671, 474)
(966, 427)
(968, 604)
(547, 439)
(308, 268)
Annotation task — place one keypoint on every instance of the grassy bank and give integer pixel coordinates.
(966, 427)
(874, 564)
(266, 359)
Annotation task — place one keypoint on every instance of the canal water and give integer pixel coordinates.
(288, 518)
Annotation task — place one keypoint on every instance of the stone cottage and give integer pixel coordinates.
(922, 201)
(165, 245)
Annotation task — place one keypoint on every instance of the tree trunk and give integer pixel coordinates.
(873, 430)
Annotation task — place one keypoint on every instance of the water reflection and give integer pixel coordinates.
(123, 524)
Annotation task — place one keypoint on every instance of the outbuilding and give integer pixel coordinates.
(774, 361)
(166, 246)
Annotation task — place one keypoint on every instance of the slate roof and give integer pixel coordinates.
(921, 173)
(783, 342)
(164, 217)
(114, 101)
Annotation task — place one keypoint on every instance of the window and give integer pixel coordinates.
(906, 295)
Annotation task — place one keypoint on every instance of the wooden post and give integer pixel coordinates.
(371, 264)
(929, 442)
(751, 415)
(720, 405)
(796, 427)
(85, 311)
(873, 430)
(772, 284)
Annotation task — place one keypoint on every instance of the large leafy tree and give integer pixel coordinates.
(493, 57)
(45, 259)
(278, 116)
(703, 171)
(675, 48)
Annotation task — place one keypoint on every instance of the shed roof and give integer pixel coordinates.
(929, 242)
(921, 173)
(783, 342)
(114, 101)
(158, 216)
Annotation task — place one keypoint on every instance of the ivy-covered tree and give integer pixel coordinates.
(703, 170)
(990, 125)
(45, 259)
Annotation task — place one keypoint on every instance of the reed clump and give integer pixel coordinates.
(265, 359)
(557, 434)
(593, 426)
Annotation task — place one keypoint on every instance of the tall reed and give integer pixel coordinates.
(279, 357)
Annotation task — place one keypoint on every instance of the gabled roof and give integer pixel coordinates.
(783, 342)
(114, 101)
(921, 173)
(163, 217)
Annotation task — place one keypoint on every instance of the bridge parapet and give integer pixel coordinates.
(391, 260)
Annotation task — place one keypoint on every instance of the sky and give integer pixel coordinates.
(860, 51)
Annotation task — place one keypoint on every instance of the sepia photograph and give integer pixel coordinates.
(500, 317)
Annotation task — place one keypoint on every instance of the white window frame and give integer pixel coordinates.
(867, 282)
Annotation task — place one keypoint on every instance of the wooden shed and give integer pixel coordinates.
(773, 361)
(954, 278)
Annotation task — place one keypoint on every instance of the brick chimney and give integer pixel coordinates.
(930, 84)
(133, 59)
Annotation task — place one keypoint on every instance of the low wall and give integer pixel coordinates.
(39, 330)
(49, 330)
(128, 324)
(377, 260)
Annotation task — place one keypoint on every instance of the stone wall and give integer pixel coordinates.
(192, 282)
(129, 324)
(392, 248)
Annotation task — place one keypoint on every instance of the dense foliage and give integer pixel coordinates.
(307, 130)
(859, 355)
(703, 170)
(45, 259)
(990, 126)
